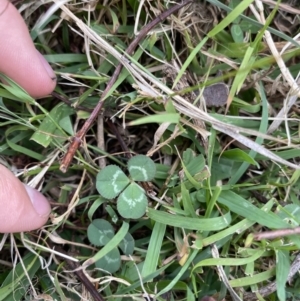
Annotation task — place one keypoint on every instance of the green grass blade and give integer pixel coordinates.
(15, 285)
(201, 224)
(234, 14)
(239, 227)
(256, 23)
(229, 261)
(157, 118)
(153, 252)
(253, 279)
(282, 272)
(19, 148)
(180, 273)
(189, 60)
(244, 208)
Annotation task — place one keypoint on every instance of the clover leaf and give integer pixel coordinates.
(112, 181)
(141, 168)
(132, 202)
(100, 232)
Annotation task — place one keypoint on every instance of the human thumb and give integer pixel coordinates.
(22, 208)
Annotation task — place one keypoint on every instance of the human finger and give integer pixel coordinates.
(22, 208)
(19, 59)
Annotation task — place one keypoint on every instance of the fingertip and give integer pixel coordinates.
(45, 79)
(19, 59)
(41, 86)
(22, 208)
(39, 202)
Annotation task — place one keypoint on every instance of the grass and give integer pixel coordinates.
(224, 175)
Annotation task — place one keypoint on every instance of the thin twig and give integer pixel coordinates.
(84, 280)
(77, 270)
(282, 6)
(100, 139)
(276, 233)
(76, 141)
(70, 103)
(223, 276)
(124, 147)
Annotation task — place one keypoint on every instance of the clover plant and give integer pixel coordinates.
(100, 232)
(112, 182)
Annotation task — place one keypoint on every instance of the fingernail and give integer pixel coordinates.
(47, 67)
(39, 202)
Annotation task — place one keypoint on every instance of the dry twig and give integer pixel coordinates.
(79, 136)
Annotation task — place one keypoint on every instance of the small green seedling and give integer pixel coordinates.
(132, 200)
(100, 232)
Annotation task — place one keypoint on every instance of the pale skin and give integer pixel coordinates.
(21, 208)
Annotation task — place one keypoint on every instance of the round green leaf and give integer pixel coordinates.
(132, 202)
(141, 168)
(111, 180)
(100, 232)
(237, 33)
(127, 244)
(111, 262)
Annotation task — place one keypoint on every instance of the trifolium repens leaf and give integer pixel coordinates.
(111, 262)
(132, 202)
(141, 168)
(100, 232)
(111, 180)
(127, 244)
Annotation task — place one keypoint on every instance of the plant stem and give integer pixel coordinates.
(76, 141)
